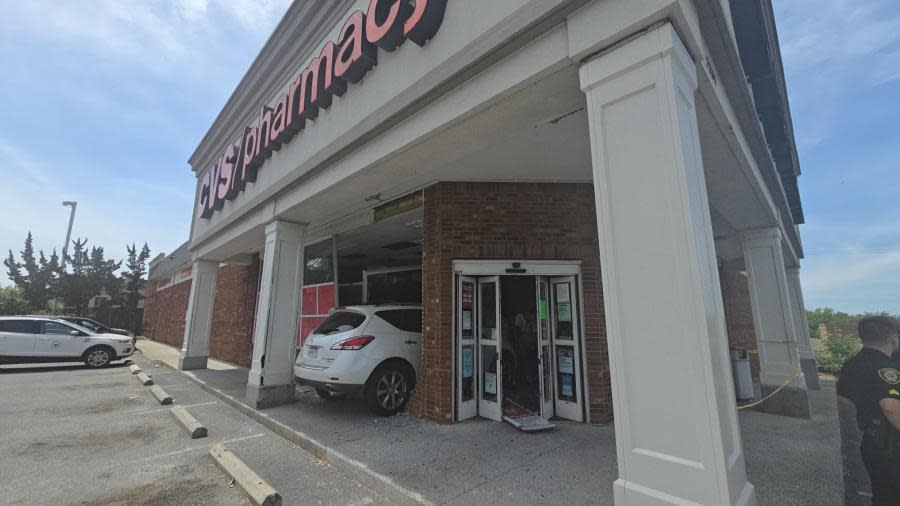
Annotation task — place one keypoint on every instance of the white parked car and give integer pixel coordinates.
(370, 350)
(28, 339)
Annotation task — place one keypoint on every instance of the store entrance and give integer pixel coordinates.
(518, 348)
(520, 357)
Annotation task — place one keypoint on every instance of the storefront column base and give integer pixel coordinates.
(811, 372)
(269, 396)
(192, 363)
(790, 401)
(626, 492)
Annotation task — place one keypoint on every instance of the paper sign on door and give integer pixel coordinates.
(564, 310)
(468, 362)
(467, 320)
(490, 383)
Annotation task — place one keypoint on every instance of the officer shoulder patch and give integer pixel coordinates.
(890, 375)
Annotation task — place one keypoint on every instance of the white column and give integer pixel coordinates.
(801, 328)
(677, 433)
(271, 378)
(773, 320)
(198, 320)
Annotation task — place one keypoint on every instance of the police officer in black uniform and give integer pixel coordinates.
(871, 379)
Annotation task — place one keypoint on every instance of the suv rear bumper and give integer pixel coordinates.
(335, 388)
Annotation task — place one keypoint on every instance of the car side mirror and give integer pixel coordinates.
(74, 333)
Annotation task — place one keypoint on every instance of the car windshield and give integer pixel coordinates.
(89, 324)
(341, 321)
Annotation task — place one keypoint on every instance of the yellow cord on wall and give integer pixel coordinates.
(791, 378)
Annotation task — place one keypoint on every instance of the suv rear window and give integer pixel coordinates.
(17, 326)
(407, 320)
(341, 321)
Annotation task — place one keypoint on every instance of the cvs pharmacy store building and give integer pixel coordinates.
(561, 184)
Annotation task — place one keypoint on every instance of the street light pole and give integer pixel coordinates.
(65, 254)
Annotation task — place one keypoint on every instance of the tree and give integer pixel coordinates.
(102, 273)
(87, 274)
(36, 279)
(11, 301)
(829, 317)
(73, 286)
(133, 277)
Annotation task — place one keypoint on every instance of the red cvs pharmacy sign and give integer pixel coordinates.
(386, 25)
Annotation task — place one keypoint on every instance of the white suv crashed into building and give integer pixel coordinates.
(370, 350)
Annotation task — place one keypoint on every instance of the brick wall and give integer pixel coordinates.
(523, 221)
(165, 313)
(738, 312)
(234, 313)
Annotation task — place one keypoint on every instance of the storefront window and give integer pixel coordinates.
(318, 263)
(394, 287)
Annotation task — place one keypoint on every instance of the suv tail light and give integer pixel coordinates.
(354, 343)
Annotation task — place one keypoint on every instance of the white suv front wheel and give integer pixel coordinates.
(97, 357)
(388, 390)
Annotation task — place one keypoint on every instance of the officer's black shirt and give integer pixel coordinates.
(866, 379)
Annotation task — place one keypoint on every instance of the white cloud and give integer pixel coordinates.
(855, 282)
(832, 48)
(827, 274)
(253, 14)
(16, 161)
(157, 35)
(192, 10)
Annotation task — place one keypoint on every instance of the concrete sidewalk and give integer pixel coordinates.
(791, 461)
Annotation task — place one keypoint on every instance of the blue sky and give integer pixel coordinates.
(104, 100)
(842, 67)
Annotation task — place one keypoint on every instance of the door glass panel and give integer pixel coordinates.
(545, 367)
(467, 383)
(544, 322)
(467, 365)
(563, 312)
(565, 366)
(467, 324)
(544, 311)
(488, 313)
(489, 373)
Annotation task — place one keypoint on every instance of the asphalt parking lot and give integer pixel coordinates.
(72, 435)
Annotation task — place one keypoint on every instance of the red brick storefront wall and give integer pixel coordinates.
(234, 312)
(512, 221)
(164, 313)
(738, 313)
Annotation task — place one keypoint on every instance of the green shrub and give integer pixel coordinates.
(837, 350)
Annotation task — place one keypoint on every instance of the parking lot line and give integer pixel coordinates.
(167, 409)
(203, 448)
(177, 385)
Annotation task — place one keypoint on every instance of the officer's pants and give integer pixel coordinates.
(884, 473)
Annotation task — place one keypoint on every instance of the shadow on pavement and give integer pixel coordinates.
(51, 367)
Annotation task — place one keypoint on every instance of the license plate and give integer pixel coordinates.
(313, 352)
